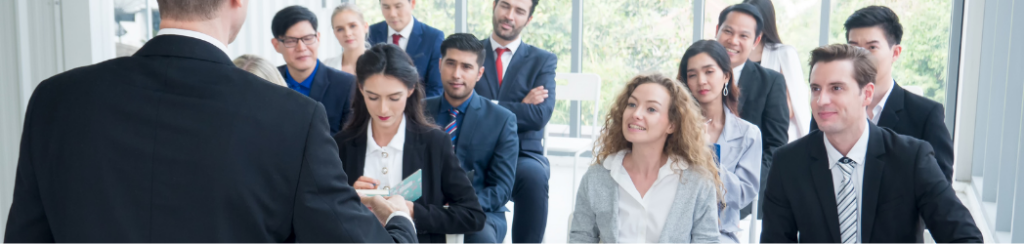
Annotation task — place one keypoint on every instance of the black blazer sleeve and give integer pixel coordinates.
(775, 120)
(534, 117)
(27, 220)
(778, 223)
(326, 208)
(936, 134)
(464, 213)
(945, 216)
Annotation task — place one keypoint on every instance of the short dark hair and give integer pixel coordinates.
(880, 16)
(745, 8)
(288, 17)
(717, 52)
(465, 42)
(864, 70)
(771, 29)
(189, 9)
(532, 7)
(390, 60)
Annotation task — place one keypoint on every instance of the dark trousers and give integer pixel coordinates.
(494, 230)
(530, 193)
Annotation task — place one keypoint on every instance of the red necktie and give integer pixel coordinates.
(395, 37)
(499, 64)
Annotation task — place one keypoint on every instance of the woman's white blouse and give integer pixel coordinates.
(641, 218)
(385, 163)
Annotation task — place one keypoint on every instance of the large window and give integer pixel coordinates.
(131, 26)
(439, 14)
(921, 67)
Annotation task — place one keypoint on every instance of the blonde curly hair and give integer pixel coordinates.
(687, 144)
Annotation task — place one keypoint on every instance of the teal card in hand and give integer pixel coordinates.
(410, 188)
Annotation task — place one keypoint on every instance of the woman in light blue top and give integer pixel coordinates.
(706, 72)
(654, 178)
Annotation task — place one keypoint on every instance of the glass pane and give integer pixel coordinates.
(922, 65)
(799, 23)
(439, 14)
(712, 8)
(623, 38)
(130, 30)
(550, 29)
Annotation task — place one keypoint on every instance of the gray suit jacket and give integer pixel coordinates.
(693, 215)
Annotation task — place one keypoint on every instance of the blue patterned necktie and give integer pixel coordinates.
(454, 125)
(847, 202)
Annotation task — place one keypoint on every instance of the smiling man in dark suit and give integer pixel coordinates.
(855, 182)
(878, 29)
(421, 41)
(176, 144)
(296, 39)
(484, 133)
(762, 91)
(521, 78)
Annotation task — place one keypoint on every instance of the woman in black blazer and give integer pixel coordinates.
(388, 138)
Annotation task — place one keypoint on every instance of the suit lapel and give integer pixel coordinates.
(320, 83)
(490, 80)
(873, 169)
(513, 67)
(415, 39)
(893, 106)
(412, 158)
(469, 123)
(357, 153)
(379, 33)
(823, 185)
(731, 136)
(749, 81)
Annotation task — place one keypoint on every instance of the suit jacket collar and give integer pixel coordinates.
(893, 107)
(183, 47)
(822, 176)
(473, 118)
(733, 127)
(412, 153)
(490, 79)
(511, 69)
(872, 180)
(416, 40)
(749, 75)
(320, 82)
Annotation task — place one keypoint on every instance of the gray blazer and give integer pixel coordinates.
(740, 168)
(694, 211)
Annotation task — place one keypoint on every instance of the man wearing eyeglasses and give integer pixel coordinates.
(296, 38)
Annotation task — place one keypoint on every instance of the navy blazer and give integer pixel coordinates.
(333, 88)
(902, 185)
(488, 146)
(176, 144)
(530, 67)
(424, 48)
(444, 182)
(918, 117)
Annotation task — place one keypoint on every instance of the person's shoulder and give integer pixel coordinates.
(497, 111)
(798, 147)
(337, 76)
(430, 31)
(540, 52)
(918, 103)
(768, 74)
(379, 25)
(900, 143)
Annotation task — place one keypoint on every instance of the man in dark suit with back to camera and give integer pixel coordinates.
(296, 39)
(855, 182)
(521, 78)
(483, 133)
(176, 144)
(878, 29)
(421, 41)
(762, 91)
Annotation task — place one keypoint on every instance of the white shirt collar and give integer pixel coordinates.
(396, 143)
(196, 35)
(614, 163)
(513, 46)
(406, 32)
(877, 110)
(737, 71)
(858, 153)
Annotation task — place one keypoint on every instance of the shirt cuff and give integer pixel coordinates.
(402, 214)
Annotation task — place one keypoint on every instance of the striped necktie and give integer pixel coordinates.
(454, 125)
(847, 202)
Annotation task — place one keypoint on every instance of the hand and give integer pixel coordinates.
(410, 205)
(383, 208)
(536, 96)
(365, 183)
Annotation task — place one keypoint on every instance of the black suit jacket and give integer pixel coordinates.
(763, 103)
(907, 113)
(488, 146)
(333, 88)
(176, 144)
(530, 67)
(444, 182)
(901, 185)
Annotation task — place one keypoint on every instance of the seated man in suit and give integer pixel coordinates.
(762, 90)
(878, 29)
(296, 38)
(852, 181)
(176, 144)
(484, 133)
(419, 40)
(521, 78)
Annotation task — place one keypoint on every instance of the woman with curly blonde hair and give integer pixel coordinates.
(654, 178)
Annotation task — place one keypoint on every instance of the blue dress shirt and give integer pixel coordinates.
(305, 85)
(443, 118)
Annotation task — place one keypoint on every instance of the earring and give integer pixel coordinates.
(725, 92)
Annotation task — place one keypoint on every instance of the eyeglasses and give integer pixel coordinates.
(289, 42)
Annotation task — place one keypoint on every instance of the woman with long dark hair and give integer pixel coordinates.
(388, 138)
(774, 55)
(707, 74)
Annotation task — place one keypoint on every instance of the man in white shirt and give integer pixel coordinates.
(852, 181)
(421, 41)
